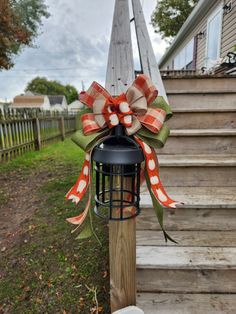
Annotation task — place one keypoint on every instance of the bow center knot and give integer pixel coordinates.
(116, 111)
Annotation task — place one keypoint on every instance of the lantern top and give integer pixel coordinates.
(118, 149)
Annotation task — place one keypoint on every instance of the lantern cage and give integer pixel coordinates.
(117, 166)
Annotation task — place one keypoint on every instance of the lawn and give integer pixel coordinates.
(43, 269)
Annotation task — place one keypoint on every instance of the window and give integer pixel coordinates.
(184, 59)
(214, 28)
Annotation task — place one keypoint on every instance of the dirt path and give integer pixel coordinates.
(20, 202)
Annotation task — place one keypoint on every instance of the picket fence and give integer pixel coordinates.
(26, 130)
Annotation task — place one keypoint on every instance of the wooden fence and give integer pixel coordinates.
(26, 130)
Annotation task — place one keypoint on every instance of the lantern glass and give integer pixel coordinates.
(117, 166)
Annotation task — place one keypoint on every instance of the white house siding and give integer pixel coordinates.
(75, 106)
(227, 42)
(64, 103)
(46, 104)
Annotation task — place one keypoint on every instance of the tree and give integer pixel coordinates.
(43, 86)
(170, 15)
(20, 21)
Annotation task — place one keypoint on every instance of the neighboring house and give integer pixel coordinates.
(37, 101)
(58, 102)
(75, 106)
(207, 36)
(31, 101)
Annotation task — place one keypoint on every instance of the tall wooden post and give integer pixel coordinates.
(122, 235)
(148, 61)
(120, 67)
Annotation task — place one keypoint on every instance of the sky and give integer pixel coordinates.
(73, 46)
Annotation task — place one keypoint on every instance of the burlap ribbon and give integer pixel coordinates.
(143, 115)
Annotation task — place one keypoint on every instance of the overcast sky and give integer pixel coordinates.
(73, 46)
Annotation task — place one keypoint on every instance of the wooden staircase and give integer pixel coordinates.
(198, 166)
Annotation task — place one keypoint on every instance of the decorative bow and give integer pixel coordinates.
(143, 114)
(130, 109)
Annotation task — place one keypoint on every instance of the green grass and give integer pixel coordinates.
(66, 152)
(47, 270)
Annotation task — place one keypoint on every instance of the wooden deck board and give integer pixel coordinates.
(198, 197)
(197, 160)
(203, 132)
(165, 303)
(186, 257)
(190, 219)
(186, 280)
(188, 238)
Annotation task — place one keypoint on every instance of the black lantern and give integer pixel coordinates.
(117, 165)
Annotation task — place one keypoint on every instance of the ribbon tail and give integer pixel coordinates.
(78, 220)
(158, 211)
(85, 217)
(77, 192)
(153, 177)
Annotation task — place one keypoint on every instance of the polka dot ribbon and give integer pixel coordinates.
(153, 176)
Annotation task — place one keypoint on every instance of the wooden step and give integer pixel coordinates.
(152, 257)
(201, 238)
(202, 132)
(186, 269)
(197, 160)
(198, 170)
(195, 119)
(197, 197)
(200, 84)
(203, 101)
(164, 303)
(197, 176)
(199, 141)
(190, 219)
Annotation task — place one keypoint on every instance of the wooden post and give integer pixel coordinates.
(120, 67)
(122, 235)
(37, 137)
(62, 128)
(122, 252)
(122, 246)
(147, 57)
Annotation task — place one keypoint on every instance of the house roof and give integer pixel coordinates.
(196, 15)
(31, 101)
(56, 99)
